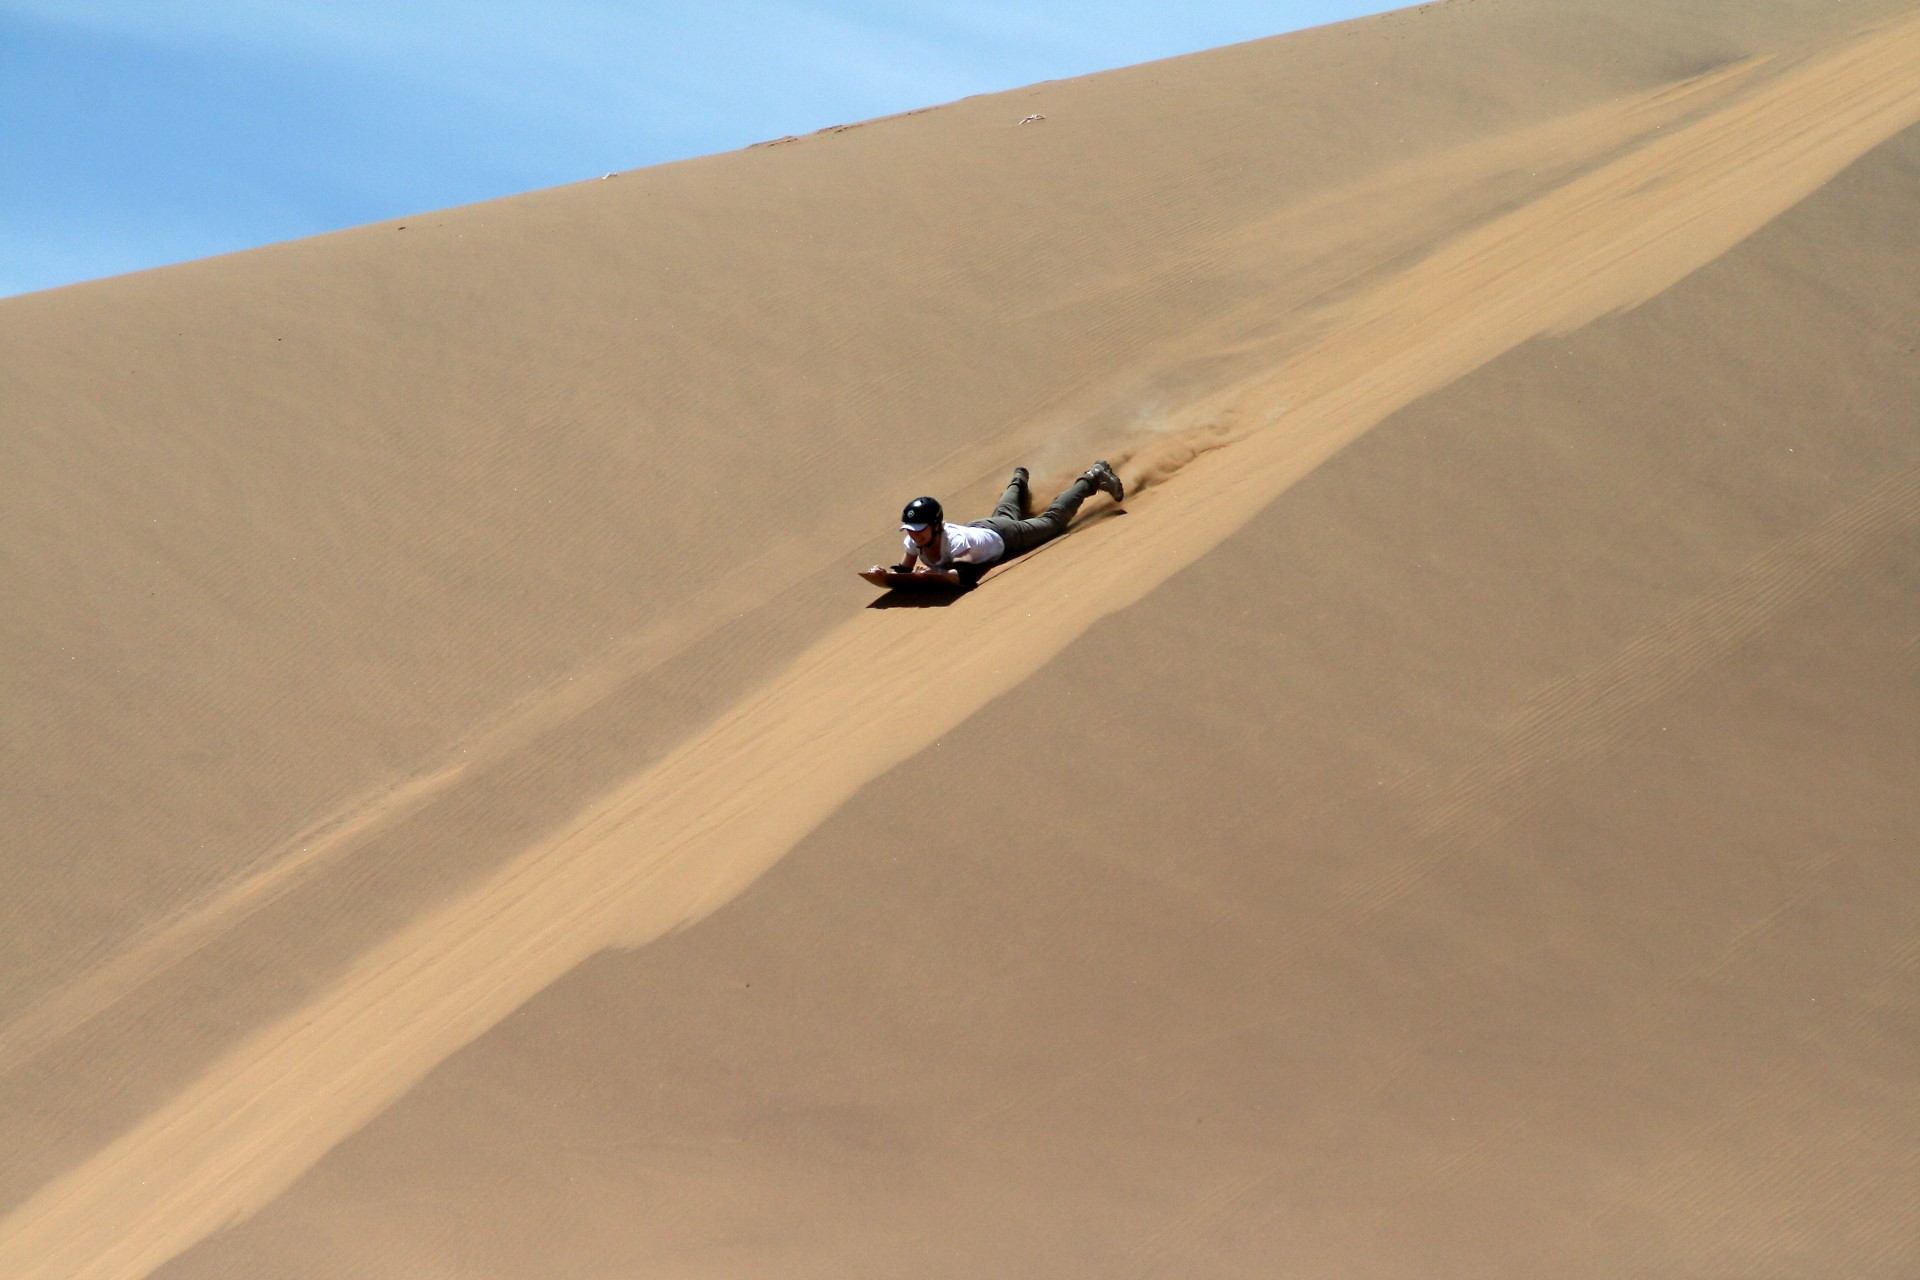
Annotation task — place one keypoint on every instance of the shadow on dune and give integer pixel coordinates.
(921, 599)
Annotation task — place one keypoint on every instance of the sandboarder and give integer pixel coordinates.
(961, 553)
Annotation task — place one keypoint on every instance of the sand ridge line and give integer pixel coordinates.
(1677, 198)
(706, 821)
(1386, 221)
(167, 943)
(326, 844)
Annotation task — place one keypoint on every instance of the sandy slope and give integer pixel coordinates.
(295, 835)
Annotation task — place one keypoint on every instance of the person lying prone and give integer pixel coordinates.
(961, 553)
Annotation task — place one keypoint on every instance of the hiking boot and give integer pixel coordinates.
(1019, 478)
(1104, 479)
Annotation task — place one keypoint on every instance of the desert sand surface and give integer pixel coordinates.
(1456, 818)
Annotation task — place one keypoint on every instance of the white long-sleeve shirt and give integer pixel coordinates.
(959, 544)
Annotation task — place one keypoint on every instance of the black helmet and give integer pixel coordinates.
(921, 512)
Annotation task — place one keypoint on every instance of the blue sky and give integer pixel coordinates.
(134, 134)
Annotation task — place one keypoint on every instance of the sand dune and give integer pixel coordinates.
(574, 660)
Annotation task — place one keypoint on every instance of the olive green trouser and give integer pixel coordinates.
(1009, 519)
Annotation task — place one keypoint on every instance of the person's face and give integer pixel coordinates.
(921, 537)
